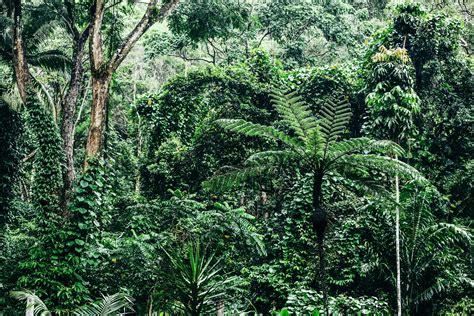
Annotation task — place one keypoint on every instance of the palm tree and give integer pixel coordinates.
(196, 282)
(314, 144)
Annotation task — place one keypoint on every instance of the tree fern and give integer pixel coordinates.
(295, 112)
(317, 148)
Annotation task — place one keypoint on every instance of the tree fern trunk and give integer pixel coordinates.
(319, 226)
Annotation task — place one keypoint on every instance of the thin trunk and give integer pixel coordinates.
(68, 113)
(397, 244)
(150, 305)
(83, 103)
(139, 153)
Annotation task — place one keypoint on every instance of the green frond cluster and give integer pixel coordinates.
(270, 157)
(295, 112)
(383, 164)
(109, 305)
(251, 129)
(235, 177)
(39, 307)
(334, 118)
(363, 144)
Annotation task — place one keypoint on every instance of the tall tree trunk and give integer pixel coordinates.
(19, 57)
(100, 95)
(68, 116)
(102, 70)
(397, 244)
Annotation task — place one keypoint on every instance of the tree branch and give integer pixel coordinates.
(150, 17)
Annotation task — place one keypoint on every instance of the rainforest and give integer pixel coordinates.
(236, 157)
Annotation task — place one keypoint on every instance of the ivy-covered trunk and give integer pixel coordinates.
(319, 226)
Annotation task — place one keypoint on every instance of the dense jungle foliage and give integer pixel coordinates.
(195, 157)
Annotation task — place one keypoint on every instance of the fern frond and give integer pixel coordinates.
(294, 112)
(251, 129)
(334, 118)
(363, 144)
(386, 165)
(52, 60)
(235, 177)
(270, 157)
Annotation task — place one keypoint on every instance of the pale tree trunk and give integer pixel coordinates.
(100, 94)
(30, 307)
(220, 308)
(19, 57)
(397, 244)
(102, 70)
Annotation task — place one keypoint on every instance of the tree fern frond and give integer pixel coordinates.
(251, 129)
(51, 59)
(334, 118)
(294, 112)
(270, 157)
(386, 165)
(235, 177)
(354, 145)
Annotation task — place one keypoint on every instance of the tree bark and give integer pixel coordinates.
(100, 94)
(102, 71)
(19, 56)
(68, 114)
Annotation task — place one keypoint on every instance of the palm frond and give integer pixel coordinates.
(295, 112)
(39, 306)
(251, 129)
(109, 305)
